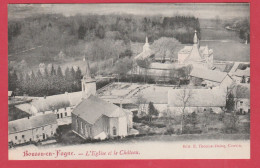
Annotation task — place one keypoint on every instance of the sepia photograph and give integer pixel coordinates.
(128, 81)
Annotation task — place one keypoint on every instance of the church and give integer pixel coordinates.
(198, 56)
(95, 118)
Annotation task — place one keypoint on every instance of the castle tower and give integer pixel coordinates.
(146, 47)
(196, 39)
(88, 84)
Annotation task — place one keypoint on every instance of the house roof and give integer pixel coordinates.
(57, 101)
(207, 74)
(241, 73)
(199, 97)
(33, 122)
(92, 108)
(24, 107)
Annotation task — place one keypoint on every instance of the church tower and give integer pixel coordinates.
(88, 84)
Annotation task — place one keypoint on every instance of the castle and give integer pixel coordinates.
(196, 55)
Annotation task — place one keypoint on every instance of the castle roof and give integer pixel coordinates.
(207, 74)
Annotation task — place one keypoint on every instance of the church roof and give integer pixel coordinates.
(33, 122)
(194, 54)
(212, 75)
(198, 98)
(92, 108)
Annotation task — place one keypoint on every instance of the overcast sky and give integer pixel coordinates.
(202, 11)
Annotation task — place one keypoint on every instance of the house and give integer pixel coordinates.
(95, 118)
(198, 100)
(200, 56)
(242, 98)
(242, 76)
(211, 78)
(32, 129)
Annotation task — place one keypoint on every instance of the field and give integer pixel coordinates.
(226, 45)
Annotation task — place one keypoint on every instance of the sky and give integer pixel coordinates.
(202, 11)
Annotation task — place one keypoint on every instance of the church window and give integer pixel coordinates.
(15, 137)
(58, 116)
(61, 115)
(114, 130)
(22, 136)
(65, 114)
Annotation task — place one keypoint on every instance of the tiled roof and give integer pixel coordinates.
(212, 75)
(92, 108)
(199, 97)
(33, 122)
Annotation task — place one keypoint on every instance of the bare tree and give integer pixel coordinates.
(184, 96)
(141, 102)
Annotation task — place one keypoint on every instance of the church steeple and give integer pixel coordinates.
(146, 47)
(195, 38)
(88, 83)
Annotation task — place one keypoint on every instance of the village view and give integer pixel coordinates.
(86, 78)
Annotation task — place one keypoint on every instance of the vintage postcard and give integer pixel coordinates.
(129, 81)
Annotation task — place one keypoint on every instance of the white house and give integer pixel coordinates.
(198, 100)
(242, 98)
(240, 75)
(35, 128)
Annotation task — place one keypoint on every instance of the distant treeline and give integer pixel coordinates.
(55, 33)
(242, 26)
(49, 82)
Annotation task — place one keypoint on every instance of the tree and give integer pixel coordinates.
(184, 96)
(141, 102)
(145, 64)
(123, 66)
(166, 47)
(194, 119)
(230, 102)
(152, 111)
(53, 72)
(59, 72)
(231, 122)
(243, 79)
(82, 32)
